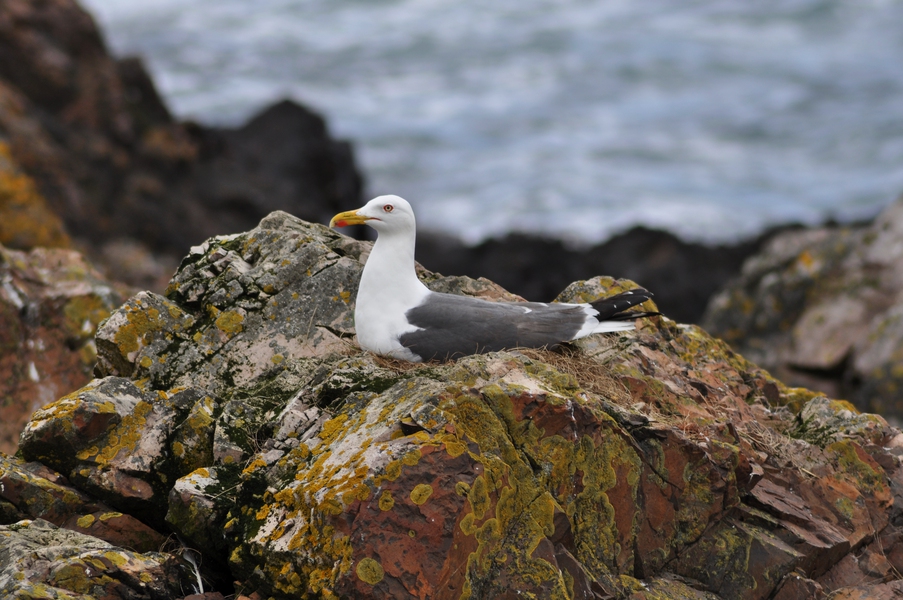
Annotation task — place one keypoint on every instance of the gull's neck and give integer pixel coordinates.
(389, 272)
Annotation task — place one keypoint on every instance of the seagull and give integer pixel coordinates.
(396, 315)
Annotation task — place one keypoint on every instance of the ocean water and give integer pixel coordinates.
(573, 118)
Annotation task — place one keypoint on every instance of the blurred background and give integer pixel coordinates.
(712, 120)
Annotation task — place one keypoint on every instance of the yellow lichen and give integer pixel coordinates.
(370, 571)
(86, 521)
(421, 493)
(412, 457)
(26, 220)
(230, 322)
(386, 502)
(853, 467)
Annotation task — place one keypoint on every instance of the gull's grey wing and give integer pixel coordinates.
(454, 326)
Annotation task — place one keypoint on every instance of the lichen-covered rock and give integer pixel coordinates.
(196, 512)
(26, 220)
(33, 491)
(239, 307)
(496, 473)
(51, 302)
(824, 308)
(40, 561)
(238, 412)
(120, 443)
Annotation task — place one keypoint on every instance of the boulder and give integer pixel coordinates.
(40, 560)
(51, 302)
(824, 308)
(32, 491)
(237, 411)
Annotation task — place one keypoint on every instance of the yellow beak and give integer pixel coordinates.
(348, 218)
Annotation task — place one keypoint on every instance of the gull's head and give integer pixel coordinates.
(385, 214)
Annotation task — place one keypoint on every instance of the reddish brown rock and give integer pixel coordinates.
(39, 493)
(51, 302)
(797, 587)
(880, 591)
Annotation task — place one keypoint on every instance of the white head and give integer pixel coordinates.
(385, 214)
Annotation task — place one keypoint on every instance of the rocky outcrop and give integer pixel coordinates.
(823, 308)
(237, 412)
(107, 158)
(51, 302)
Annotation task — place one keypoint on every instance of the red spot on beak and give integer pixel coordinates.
(341, 223)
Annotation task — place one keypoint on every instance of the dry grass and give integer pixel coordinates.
(396, 365)
(781, 450)
(591, 375)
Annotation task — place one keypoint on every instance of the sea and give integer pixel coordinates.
(575, 119)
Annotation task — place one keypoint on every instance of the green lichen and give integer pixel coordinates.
(845, 508)
(852, 466)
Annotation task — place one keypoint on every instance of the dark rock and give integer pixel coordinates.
(104, 152)
(143, 101)
(37, 492)
(26, 220)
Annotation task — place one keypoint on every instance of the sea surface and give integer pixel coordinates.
(573, 118)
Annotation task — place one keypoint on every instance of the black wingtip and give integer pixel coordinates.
(615, 308)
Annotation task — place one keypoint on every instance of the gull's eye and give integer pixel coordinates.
(388, 208)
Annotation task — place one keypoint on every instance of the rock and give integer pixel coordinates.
(26, 220)
(51, 302)
(121, 444)
(796, 586)
(237, 411)
(823, 308)
(195, 510)
(36, 492)
(93, 139)
(885, 591)
(39, 560)
(282, 158)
